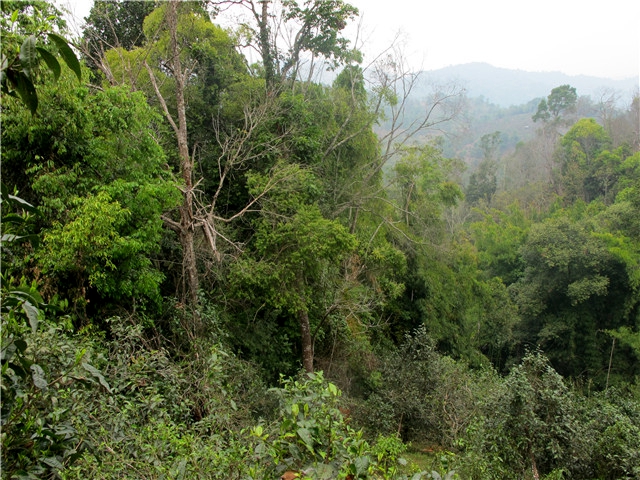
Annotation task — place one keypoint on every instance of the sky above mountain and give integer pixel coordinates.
(571, 36)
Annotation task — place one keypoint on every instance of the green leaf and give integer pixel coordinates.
(21, 345)
(305, 436)
(28, 55)
(28, 293)
(51, 62)
(325, 472)
(32, 313)
(25, 89)
(23, 203)
(67, 54)
(96, 373)
(8, 352)
(38, 377)
(333, 389)
(361, 465)
(9, 238)
(53, 462)
(4, 64)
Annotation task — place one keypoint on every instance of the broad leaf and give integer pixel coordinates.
(28, 55)
(21, 345)
(51, 62)
(7, 352)
(38, 377)
(32, 313)
(9, 238)
(305, 436)
(23, 203)
(96, 373)
(67, 54)
(361, 465)
(27, 292)
(24, 88)
(324, 471)
(53, 462)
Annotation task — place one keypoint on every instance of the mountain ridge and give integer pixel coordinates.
(506, 87)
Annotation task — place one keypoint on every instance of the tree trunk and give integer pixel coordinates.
(265, 44)
(307, 343)
(187, 223)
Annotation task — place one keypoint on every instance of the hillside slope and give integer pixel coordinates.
(507, 87)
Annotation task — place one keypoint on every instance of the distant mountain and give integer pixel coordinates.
(506, 87)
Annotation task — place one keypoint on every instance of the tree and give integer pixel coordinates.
(561, 101)
(483, 183)
(313, 28)
(586, 170)
(530, 424)
(576, 283)
(298, 255)
(114, 24)
(90, 162)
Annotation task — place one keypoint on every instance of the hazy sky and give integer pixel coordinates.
(600, 38)
(572, 36)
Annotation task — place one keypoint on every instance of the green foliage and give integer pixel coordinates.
(574, 285)
(21, 55)
(482, 183)
(561, 100)
(422, 186)
(323, 21)
(498, 238)
(179, 418)
(91, 164)
(322, 245)
(116, 23)
(297, 253)
(90, 246)
(424, 396)
(533, 422)
(589, 168)
(46, 376)
(610, 435)
(312, 435)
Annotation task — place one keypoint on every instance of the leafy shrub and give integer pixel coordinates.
(47, 375)
(533, 421)
(311, 434)
(421, 394)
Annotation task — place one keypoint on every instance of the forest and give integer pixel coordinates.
(218, 265)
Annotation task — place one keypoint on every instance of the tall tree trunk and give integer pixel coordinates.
(265, 44)
(187, 223)
(307, 342)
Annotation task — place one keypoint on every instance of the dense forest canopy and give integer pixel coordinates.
(217, 269)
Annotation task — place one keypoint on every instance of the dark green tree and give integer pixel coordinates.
(561, 101)
(90, 162)
(576, 283)
(114, 24)
(296, 267)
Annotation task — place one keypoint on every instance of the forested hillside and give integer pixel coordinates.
(507, 87)
(220, 269)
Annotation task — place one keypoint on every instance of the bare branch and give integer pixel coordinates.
(160, 98)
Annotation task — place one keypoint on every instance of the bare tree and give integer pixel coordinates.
(186, 226)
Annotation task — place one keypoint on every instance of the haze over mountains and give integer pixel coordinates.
(506, 87)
